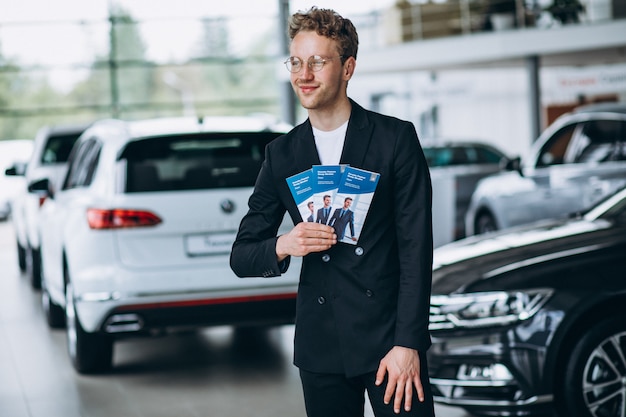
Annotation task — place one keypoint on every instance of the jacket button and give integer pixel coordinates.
(321, 300)
(369, 293)
(358, 251)
(326, 257)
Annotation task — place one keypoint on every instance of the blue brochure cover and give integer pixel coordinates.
(352, 202)
(302, 187)
(327, 178)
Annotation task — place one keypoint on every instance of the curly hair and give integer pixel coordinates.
(328, 23)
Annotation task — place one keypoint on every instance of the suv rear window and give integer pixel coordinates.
(194, 162)
(58, 147)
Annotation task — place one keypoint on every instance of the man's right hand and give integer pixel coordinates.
(305, 238)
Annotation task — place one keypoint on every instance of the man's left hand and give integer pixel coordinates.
(403, 368)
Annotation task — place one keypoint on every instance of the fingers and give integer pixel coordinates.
(419, 388)
(403, 390)
(397, 402)
(390, 390)
(305, 238)
(380, 374)
(402, 367)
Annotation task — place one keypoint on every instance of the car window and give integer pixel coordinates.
(82, 165)
(487, 156)
(460, 155)
(433, 158)
(57, 149)
(441, 157)
(553, 152)
(192, 162)
(600, 141)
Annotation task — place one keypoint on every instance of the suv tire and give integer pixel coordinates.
(21, 257)
(89, 352)
(34, 267)
(55, 314)
(485, 223)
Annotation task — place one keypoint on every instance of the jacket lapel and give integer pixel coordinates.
(358, 137)
(304, 147)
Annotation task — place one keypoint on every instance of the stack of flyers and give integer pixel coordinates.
(336, 195)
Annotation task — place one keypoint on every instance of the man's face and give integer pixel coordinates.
(322, 89)
(347, 203)
(326, 201)
(311, 207)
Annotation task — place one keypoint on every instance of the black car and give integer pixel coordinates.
(533, 320)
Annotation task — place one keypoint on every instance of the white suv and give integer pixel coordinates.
(138, 237)
(51, 148)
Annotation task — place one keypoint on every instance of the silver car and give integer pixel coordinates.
(577, 161)
(456, 166)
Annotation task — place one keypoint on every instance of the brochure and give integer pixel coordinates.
(352, 202)
(327, 178)
(302, 187)
(336, 195)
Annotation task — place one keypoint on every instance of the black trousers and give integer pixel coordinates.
(334, 395)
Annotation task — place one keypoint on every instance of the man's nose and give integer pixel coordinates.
(306, 72)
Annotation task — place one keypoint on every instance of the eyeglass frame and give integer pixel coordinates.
(314, 59)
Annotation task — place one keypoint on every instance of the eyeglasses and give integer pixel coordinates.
(315, 63)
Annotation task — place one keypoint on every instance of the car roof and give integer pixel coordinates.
(602, 107)
(62, 129)
(185, 125)
(119, 132)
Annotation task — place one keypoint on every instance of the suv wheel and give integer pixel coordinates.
(34, 267)
(595, 375)
(55, 314)
(485, 223)
(89, 352)
(21, 257)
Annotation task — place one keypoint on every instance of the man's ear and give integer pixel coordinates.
(348, 68)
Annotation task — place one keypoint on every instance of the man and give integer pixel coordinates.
(362, 310)
(323, 214)
(342, 218)
(311, 207)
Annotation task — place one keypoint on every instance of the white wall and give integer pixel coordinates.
(491, 105)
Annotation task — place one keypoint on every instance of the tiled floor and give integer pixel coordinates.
(211, 373)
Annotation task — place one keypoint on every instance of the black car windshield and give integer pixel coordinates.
(194, 162)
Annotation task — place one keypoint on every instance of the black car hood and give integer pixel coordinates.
(513, 258)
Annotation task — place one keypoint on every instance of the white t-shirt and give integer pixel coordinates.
(330, 144)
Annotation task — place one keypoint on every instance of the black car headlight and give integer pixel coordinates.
(483, 309)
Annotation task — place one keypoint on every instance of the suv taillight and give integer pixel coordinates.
(120, 218)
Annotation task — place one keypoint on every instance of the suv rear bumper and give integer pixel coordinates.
(269, 309)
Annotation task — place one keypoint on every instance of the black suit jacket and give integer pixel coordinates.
(340, 222)
(355, 302)
(321, 218)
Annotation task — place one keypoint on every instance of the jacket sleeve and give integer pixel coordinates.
(254, 250)
(413, 222)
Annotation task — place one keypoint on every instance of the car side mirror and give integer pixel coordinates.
(17, 169)
(42, 187)
(514, 164)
